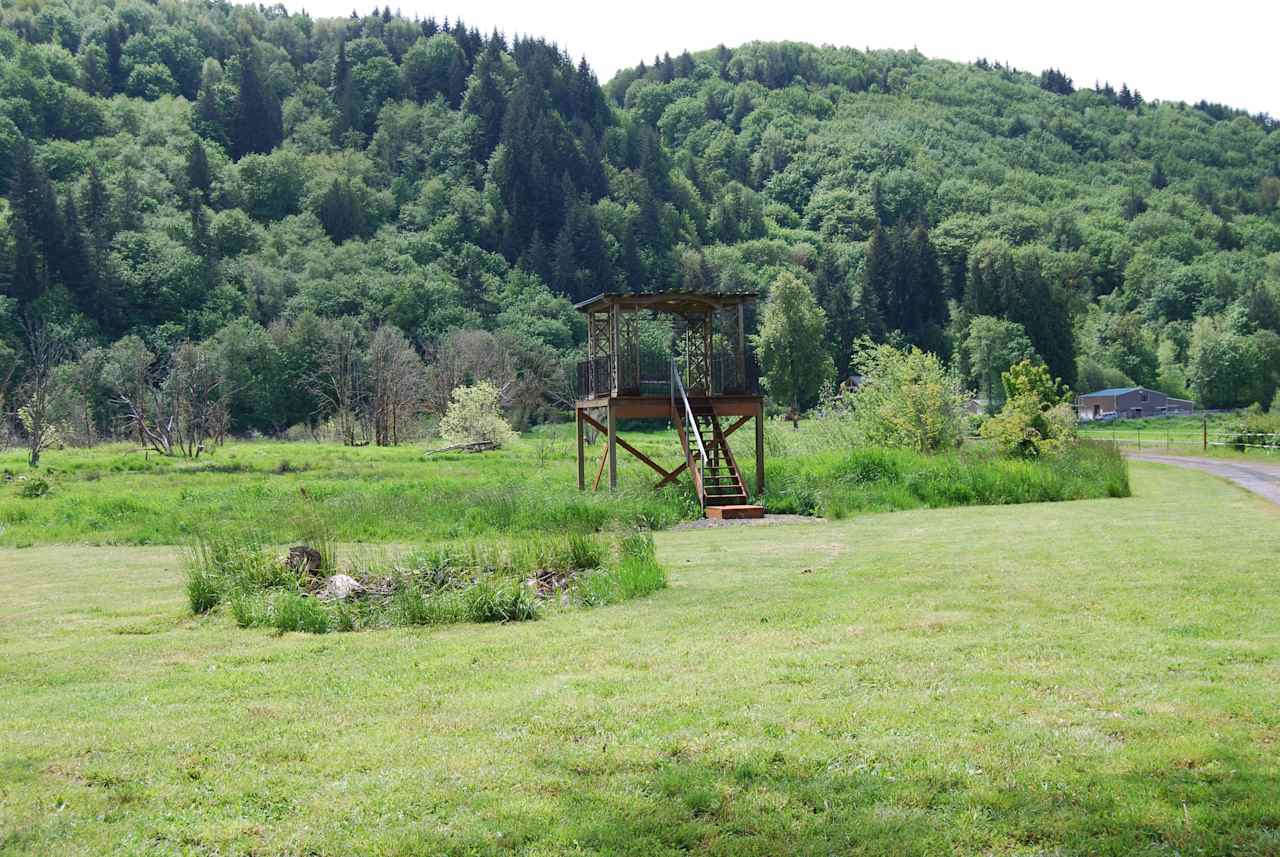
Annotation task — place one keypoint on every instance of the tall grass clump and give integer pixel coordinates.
(220, 564)
(837, 484)
(293, 612)
(635, 572)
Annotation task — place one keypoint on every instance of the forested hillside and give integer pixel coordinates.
(281, 201)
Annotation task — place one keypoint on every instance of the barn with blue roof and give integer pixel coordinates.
(1130, 403)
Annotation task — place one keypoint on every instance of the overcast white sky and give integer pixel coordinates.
(1174, 50)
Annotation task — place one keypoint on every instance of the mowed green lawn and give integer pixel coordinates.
(1096, 677)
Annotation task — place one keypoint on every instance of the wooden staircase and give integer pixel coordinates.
(717, 479)
(722, 483)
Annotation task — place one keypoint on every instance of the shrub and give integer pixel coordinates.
(907, 399)
(474, 415)
(1036, 419)
(1024, 427)
(33, 488)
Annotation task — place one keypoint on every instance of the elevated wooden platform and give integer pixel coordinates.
(705, 385)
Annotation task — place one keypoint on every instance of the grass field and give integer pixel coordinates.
(1095, 677)
(280, 492)
(115, 495)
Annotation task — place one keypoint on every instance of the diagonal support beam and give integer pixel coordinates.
(628, 447)
(600, 471)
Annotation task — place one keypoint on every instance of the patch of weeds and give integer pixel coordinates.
(477, 581)
(635, 573)
(34, 488)
(413, 606)
(287, 466)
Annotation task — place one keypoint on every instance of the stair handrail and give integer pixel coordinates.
(687, 418)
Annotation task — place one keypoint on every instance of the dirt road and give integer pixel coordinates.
(1262, 478)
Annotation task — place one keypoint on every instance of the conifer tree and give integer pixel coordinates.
(199, 176)
(211, 119)
(75, 265)
(835, 297)
(95, 208)
(341, 213)
(343, 91)
(536, 259)
(564, 272)
(258, 125)
(877, 283)
(1158, 178)
(486, 98)
(36, 228)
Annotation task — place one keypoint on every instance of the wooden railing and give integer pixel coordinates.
(686, 426)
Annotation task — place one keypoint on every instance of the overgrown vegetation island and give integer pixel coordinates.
(291, 328)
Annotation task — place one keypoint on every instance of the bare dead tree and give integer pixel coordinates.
(395, 375)
(339, 380)
(528, 376)
(37, 392)
(78, 381)
(8, 370)
(175, 407)
(128, 371)
(197, 398)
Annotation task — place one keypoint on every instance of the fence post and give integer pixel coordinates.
(1204, 432)
(1139, 434)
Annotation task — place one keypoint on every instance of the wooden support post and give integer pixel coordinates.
(613, 451)
(759, 450)
(741, 355)
(615, 348)
(582, 462)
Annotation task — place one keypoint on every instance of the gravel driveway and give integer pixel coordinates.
(1261, 478)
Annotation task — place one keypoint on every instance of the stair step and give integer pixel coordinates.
(735, 512)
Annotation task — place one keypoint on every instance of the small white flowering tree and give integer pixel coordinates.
(474, 415)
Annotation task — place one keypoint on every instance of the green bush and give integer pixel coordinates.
(907, 399)
(1036, 419)
(33, 488)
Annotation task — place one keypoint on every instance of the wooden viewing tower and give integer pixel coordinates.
(701, 378)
